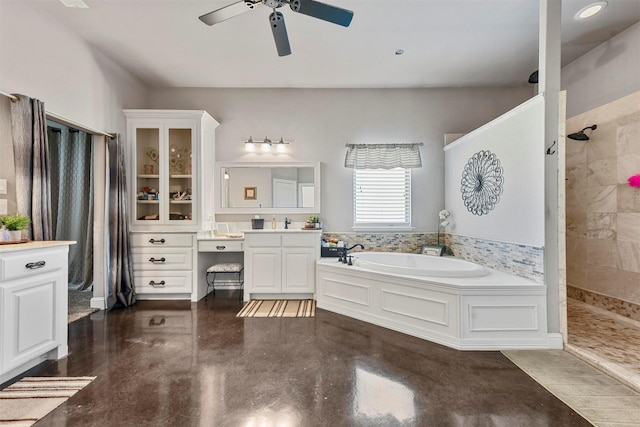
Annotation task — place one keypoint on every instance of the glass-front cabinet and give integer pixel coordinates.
(165, 168)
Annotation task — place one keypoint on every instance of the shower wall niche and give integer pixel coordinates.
(603, 211)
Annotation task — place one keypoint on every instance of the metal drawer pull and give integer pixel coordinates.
(157, 285)
(152, 241)
(163, 259)
(220, 248)
(35, 265)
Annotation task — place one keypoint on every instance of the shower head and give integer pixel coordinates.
(581, 136)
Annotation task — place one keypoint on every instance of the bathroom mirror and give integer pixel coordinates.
(254, 188)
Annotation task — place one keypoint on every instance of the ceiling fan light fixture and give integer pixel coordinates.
(590, 10)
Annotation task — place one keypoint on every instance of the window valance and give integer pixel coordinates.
(383, 156)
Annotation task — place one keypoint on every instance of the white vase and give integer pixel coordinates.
(15, 235)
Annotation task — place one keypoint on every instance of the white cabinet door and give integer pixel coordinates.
(263, 269)
(298, 270)
(30, 318)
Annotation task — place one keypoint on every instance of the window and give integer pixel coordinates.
(382, 198)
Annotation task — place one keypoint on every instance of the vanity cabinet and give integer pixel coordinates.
(280, 263)
(163, 265)
(33, 305)
(171, 188)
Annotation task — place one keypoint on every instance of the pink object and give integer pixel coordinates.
(634, 181)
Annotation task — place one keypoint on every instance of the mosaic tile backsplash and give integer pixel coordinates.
(615, 305)
(520, 260)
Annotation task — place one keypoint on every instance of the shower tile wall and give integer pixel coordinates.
(603, 211)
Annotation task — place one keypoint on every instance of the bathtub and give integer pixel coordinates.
(445, 300)
(418, 265)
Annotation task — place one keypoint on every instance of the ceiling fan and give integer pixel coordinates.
(311, 8)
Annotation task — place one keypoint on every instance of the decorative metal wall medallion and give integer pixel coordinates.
(481, 184)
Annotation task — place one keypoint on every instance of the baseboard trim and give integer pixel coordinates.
(98, 302)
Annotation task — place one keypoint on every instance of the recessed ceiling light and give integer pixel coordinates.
(590, 10)
(399, 51)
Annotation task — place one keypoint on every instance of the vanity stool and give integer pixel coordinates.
(224, 268)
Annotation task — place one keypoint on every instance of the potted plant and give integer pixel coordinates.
(15, 224)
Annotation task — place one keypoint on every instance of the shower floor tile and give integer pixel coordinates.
(605, 339)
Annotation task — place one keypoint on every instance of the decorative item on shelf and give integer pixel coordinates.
(148, 169)
(187, 169)
(14, 224)
(153, 155)
(313, 223)
(444, 221)
(634, 181)
(265, 145)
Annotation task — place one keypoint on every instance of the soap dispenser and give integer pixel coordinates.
(273, 222)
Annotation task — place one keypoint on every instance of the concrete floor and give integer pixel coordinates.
(196, 364)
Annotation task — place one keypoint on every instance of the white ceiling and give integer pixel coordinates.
(447, 43)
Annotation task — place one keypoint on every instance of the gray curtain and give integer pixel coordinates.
(120, 292)
(31, 158)
(71, 154)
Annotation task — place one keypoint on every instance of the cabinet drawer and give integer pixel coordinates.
(31, 262)
(161, 240)
(263, 240)
(301, 240)
(162, 259)
(149, 282)
(219, 246)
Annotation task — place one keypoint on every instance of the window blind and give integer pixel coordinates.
(382, 197)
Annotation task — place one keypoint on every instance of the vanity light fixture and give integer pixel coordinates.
(249, 145)
(265, 145)
(590, 10)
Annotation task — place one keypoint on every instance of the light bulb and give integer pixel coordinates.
(265, 147)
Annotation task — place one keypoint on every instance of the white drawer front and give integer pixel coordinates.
(31, 262)
(301, 240)
(161, 240)
(162, 259)
(263, 240)
(219, 246)
(148, 282)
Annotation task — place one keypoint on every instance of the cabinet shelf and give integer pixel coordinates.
(180, 202)
(149, 202)
(181, 176)
(147, 176)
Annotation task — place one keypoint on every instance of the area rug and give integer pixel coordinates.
(279, 308)
(24, 402)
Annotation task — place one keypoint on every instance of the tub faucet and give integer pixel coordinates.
(346, 250)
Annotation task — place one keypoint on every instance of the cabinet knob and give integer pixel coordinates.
(158, 284)
(221, 248)
(35, 265)
(163, 259)
(153, 241)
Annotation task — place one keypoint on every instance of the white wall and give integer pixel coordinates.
(41, 58)
(319, 122)
(517, 140)
(606, 73)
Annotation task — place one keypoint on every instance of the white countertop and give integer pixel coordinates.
(35, 245)
(207, 235)
(282, 230)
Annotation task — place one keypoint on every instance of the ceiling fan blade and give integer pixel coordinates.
(227, 12)
(279, 31)
(323, 11)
